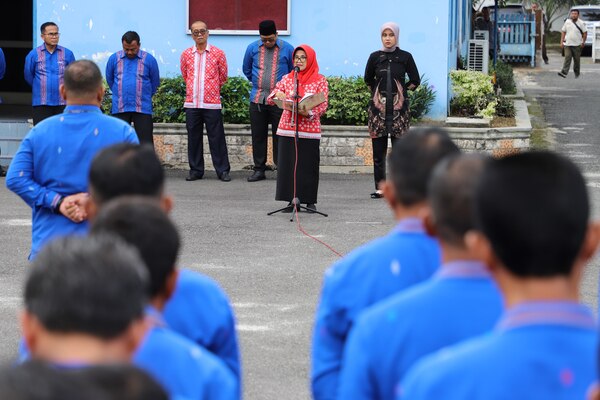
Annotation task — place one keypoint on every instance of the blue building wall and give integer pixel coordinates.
(343, 33)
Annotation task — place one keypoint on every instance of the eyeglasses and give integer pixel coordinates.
(268, 40)
(199, 32)
(300, 58)
(52, 34)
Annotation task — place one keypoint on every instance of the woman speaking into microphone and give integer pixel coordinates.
(300, 179)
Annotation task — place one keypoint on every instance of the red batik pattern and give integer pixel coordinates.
(204, 74)
(308, 128)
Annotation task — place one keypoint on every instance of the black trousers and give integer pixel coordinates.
(195, 120)
(380, 146)
(40, 113)
(261, 115)
(142, 123)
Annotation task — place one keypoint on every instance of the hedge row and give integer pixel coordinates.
(348, 99)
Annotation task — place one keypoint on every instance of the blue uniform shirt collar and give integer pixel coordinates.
(278, 43)
(81, 108)
(562, 313)
(463, 269)
(154, 316)
(43, 48)
(138, 55)
(410, 225)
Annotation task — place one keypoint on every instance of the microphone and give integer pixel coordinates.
(296, 69)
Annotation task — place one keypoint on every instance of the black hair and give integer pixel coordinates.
(534, 209)
(451, 194)
(144, 225)
(574, 10)
(82, 78)
(94, 285)
(37, 380)
(45, 25)
(130, 36)
(126, 169)
(121, 382)
(412, 160)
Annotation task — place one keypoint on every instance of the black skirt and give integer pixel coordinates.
(307, 176)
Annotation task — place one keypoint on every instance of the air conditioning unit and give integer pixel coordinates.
(481, 35)
(478, 55)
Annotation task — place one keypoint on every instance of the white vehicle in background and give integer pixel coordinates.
(591, 16)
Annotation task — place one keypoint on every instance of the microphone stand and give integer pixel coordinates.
(296, 201)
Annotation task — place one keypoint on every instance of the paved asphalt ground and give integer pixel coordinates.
(272, 272)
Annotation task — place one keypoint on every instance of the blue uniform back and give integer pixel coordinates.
(539, 351)
(369, 274)
(461, 301)
(200, 311)
(183, 368)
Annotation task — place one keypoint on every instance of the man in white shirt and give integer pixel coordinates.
(574, 33)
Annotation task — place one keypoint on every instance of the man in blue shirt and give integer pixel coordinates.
(44, 71)
(531, 214)
(76, 313)
(182, 367)
(53, 160)
(266, 61)
(459, 302)
(385, 266)
(128, 170)
(133, 78)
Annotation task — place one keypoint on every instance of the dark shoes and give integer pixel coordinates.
(562, 75)
(225, 177)
(193, 177)
(311, 207)
(257, 176)
(377, 194)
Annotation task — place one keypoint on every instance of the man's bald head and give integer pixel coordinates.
(451, 193)
(82, 80)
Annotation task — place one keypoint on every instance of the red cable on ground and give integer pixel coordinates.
(300, 228)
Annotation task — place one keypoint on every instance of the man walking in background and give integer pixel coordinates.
(266, 61)
(572, 40)
(44, 69)
(132, 75)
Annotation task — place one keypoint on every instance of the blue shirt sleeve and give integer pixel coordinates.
(290, 54)
(69, 57)
(20, 177)
(110, 72)
(356, 366)
(2, 64)
(130, 135)
(247, 64)
(329, 336)
(29, 71)
(154, 75)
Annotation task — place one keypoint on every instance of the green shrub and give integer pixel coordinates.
(505, 78)
(348, 100)
(473, 94)
(235, 98)
(168, 100)
(505, 107)
(107, 99)
(421, 99)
